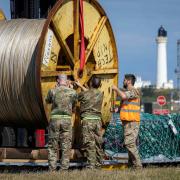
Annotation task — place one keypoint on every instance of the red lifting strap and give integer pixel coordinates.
(82, 53)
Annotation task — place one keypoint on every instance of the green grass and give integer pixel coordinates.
(170, 173)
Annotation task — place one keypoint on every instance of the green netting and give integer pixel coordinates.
(156, 136)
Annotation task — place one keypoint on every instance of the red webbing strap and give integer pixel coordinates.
(82, 53)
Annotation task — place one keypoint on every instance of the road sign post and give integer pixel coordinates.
(161, 100)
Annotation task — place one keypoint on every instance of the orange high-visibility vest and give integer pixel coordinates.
(130, 110)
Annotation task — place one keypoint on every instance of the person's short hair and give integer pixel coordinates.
(95, 82)
(62, 77)
(130, 77)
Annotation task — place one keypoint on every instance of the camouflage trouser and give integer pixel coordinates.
(131, 130)
(92, 142)
(60, 131)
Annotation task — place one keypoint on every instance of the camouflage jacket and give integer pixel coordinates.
(90, 102)
(132, 93)
(63, 100)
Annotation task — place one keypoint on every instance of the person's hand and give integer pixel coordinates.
(114, 88)
(78, 83)
(116, 109)
(56, 85)
(70, 84)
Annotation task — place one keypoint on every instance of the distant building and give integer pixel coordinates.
(168, 85)
(141, 84)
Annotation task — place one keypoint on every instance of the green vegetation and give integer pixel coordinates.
(151, 94)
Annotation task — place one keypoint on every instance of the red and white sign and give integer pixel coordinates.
(161, 111)
(161, 100)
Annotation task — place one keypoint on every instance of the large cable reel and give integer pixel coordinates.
(62, 29)
(55, 49)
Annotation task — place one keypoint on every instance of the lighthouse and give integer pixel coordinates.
(161, 41)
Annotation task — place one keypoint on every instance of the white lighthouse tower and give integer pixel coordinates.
(161, 58)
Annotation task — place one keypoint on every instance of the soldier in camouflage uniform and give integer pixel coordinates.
(90, 113)
(63, 99)
(130, 117)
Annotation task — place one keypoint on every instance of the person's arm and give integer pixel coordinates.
(81, 86)
(120, 93)
(132, 94)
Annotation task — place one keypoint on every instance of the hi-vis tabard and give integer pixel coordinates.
(130, 110)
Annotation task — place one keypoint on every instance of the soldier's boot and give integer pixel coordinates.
(64, 163)
(90, 166)
(134, 158)
(52, 169)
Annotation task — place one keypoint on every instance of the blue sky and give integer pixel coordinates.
(135, 24)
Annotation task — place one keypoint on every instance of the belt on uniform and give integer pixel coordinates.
(91, 118)
(60, 116)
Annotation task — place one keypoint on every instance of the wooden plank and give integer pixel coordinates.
(76, 30)
(105, 71)
(15, 155)
(23, 161)
(95, 36)
(22, 153)
(54, 73)
(2, 153)
(63, 44)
